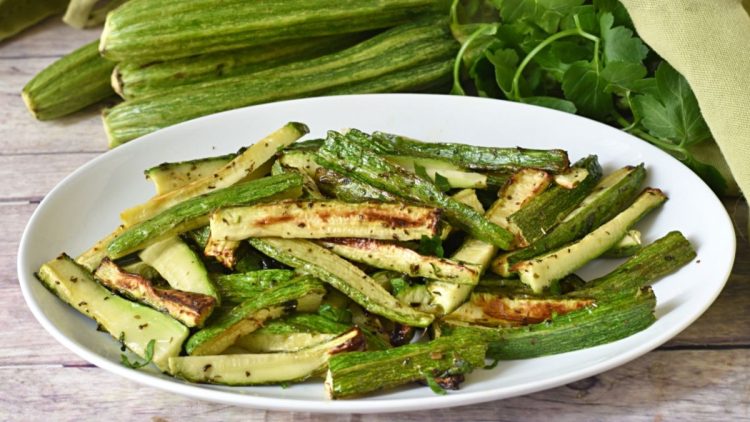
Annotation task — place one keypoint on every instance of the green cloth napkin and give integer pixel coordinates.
(708, 41)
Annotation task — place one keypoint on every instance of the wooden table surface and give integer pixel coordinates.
(702, 374)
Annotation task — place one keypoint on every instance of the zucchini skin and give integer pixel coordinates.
(349, 156)
(309, 258)
(587, 218)
(167, 177)
(622, 314)
(357, 373)
(193, 213)
(541, 271)
(222, 331)
(474, 157)
(137, 32)
(135, 80)
(545, 211)
(135, 324)
(656, 260)
(304, 219)
(401, 49)
(77, 80)
(236, 288)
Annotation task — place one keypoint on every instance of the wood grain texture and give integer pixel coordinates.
(702, 374)
(661, 386)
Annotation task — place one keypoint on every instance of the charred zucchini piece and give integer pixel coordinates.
(267, 368)
(236, 288)
(539, 272)
(191, 309)
(350, 156)
(357, 373)
(133, 324)
(232, 172)
(180, 266)
(193, 213)
(504, 311)
(624, 313)
(310, 258)
(222, 331)
(390, 256)
(325, 219)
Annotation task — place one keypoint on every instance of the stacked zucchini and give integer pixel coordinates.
(190, 58)
(363, 258)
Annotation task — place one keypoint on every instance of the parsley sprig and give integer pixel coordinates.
(581, 57)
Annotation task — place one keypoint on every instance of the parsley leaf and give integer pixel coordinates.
(585, 87)
(442, 182)
(434, 386)
(505, 62)
(431, 246)
(149, 356)
(620, 75)
(681, 106)
(551, 102)
(619, 42)
(335, 314)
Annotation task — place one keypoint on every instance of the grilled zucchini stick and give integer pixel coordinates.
(390, 256)
(325, 219)
(267, 368)
(541, 271)
(189, 308)
(505, 311)
(547, 210)
(193, 213)
(523, 186)
(350, 156)
(620, 315)
(310, 258)
(357, 373)
(474, 157)
(134, 324)
(232, 172)
(613, 193)
(304, 293)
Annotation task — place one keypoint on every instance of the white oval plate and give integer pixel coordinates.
(85, 206)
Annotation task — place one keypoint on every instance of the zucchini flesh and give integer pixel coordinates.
(135, 80)
(170, 176)
(628, 246)
(193, 213)
(325, 219)
(268, 368)
(236, 288)
(550, 208)
(73, 82)
(222, 331)
(503, 311)
(348, 156)
(224, 251)
(312, 259)
(620, 315)
(523, 186)
(234, 171)
(385, 62)
(390, 256)
(183, 29)
(475, 157)
(180, 266)
(292, 333)
(189, 308)
(611, 195)
(662, 257)
(134, 324)
(455, 176)
(357, 373)
(539, 272)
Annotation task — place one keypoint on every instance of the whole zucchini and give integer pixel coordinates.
(17, 15)
(402, 49)
(138, 31)
(77, 80)
(135, 80)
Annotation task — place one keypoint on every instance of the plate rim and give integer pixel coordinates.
(337, 406)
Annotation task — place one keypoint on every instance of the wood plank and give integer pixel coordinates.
(21, 133)
(668, 385)
(31, 177)
(51, 38)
